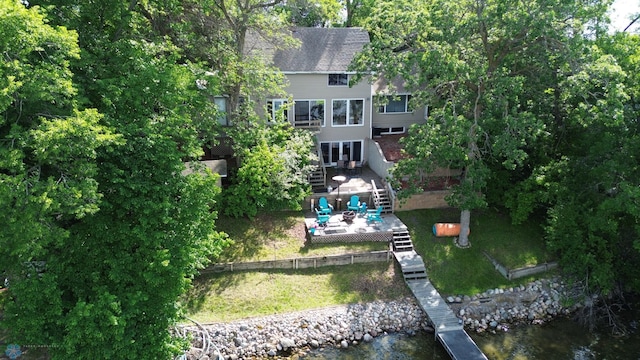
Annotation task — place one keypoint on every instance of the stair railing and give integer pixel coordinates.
(392, 196)
(321, 163)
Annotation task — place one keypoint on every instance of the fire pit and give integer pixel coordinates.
(348, 216)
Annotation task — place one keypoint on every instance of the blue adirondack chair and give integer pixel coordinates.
(363, 208)
(322, 218)
(354, 203)
(374, 215)
(324, 207)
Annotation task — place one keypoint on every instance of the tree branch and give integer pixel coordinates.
(631, 23)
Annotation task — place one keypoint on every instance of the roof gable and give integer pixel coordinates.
(322, 50)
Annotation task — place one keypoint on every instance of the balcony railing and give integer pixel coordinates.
(306, 123)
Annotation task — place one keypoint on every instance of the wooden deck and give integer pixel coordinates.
(358, 230)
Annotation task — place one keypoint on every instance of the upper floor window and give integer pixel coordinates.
(396, 104)
(348, 112)
(221, 106)
(277, 110)
(338, 79)
(307, 111)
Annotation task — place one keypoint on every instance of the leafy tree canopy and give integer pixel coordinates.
(276, 162)
(473, 72)
(103, 232)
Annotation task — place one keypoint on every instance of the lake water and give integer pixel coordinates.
(561, 339)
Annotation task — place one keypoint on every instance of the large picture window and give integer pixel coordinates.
(348, 112)
(277, 110)
(309, 111)
(396, 104)
(338, 79)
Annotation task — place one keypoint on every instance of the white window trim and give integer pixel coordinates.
(341, 142)
(329, 77)
(324, 119)
(389, 130)
(349, 109)
(406, 105)
(284, 103)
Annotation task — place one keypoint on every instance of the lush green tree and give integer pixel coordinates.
(471, 62)
(48, 167)
(589, 186)
(357, 11)
(116, 232)
(236, 33)
(312, 13)
(276, 162)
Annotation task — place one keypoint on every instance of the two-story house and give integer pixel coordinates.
(345, 116)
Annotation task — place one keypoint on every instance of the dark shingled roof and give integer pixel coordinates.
(323, 50)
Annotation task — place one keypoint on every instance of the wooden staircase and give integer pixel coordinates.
(318, 178)
(401, 240)
(381, 198)
(412, 265)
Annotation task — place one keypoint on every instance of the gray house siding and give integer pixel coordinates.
(311, 87)
(385, 121)
(324, 52)
(395, 120)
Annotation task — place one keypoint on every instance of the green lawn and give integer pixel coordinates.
(278, 235)
(467, 271)
(231, 296)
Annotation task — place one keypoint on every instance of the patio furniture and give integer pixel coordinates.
(324, 207)
(354, 203)
(351, 167)
(339, 179)
(348, 216)
(363, 208)
(374, 215)
(322, 219)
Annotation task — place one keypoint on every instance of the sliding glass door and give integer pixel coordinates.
(341, 150)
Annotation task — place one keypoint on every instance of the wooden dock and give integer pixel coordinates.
(448, 328)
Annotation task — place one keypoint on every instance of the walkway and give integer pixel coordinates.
(448, 328)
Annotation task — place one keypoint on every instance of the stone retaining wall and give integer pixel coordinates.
(344, 326)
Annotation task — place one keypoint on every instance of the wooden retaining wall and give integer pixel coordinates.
(426, 200)
(303, 263)
(511, 274)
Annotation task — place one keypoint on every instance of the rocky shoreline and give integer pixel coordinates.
(343, 326)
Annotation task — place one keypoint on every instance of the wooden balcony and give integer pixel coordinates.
(306, 123)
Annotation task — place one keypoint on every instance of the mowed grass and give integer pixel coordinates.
(235, 295)
(278, 235)
(230, 296)
(467, 271)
